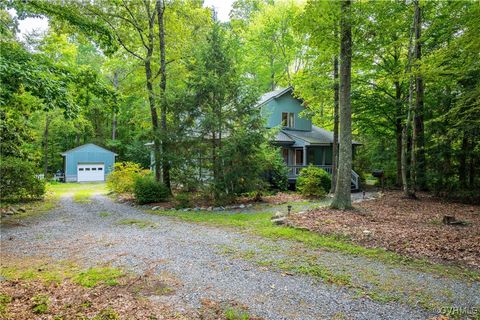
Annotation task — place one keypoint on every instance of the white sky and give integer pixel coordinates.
(222, 7)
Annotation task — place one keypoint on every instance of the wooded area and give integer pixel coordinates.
(121, 74)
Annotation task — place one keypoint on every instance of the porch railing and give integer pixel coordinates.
(294, 171)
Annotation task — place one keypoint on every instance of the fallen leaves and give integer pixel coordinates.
(411, 227)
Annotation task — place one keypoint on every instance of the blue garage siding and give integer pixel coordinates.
(85, 154)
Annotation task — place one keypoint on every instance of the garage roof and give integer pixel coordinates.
(84, 146)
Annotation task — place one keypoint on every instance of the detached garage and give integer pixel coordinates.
(87, 163)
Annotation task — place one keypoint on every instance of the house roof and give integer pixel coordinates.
(83, 146)
(283, 138)
(273, 95)
(317, 136)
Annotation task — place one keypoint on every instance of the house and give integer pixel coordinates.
(301, 142)
(88, 162)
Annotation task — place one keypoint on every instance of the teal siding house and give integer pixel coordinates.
(300, 141)
(88, 162)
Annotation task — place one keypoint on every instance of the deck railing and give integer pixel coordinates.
(294, 171)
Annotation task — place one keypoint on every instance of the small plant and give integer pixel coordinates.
(147, 190)
(104, 214)
(136, 222)
(95, 276)
(122, 178)
(182, 200)
(313, 181)
(107, 314)
(4, 301)
(233, 314)
(40, 303)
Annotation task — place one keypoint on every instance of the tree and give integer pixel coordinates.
(342, 199)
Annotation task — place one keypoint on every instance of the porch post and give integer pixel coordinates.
(304, 155)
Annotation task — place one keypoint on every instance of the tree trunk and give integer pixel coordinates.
(342, 198)
(115, 110)
(398, 131)
(45, 145)
(335, 124)
(163, 86)
(154, 115)
(419, 140)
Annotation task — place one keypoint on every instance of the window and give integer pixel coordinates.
(288, 119)
(87, 169)
(80, 169)
(94, 169)
(285, 155)
(100, 169)
(299, 157)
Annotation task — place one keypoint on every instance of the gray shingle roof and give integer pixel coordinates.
(272, 95)
(283, 138)
(316, 136)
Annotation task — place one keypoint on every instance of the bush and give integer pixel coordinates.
(122, 178)
(18, 180)
(147, 190)
(182, 200)
(275, 169)
(313, 181)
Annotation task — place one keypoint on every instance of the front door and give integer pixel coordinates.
(299, 157)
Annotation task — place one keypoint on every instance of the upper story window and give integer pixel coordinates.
(288, 119)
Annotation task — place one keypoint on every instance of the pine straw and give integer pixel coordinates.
(409, 227)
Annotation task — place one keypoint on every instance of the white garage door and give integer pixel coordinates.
(90, 172)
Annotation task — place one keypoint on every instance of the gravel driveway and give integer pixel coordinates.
(93, 233)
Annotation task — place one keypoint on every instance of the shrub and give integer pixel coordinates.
(275, 169)
(182, 200)
(147, 190)
(18, 180)
(313, 181)
(122, 179)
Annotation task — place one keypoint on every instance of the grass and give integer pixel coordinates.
(4, 301)
(40, 303)
(27, 270)
(95, 276)
(142, 224)
(104, 214)
(259, 224)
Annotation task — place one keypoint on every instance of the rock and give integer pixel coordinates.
(155, 208)
(196, 209)
(209, 208)
(249, 205)
(367, 232)
(241, 206)
(278, 215)
(186, 209)
(217, 209)
(22, 209)
(279, 221)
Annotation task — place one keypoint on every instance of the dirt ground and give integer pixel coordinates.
(410, 227)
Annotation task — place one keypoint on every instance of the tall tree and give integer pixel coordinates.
(342, 198)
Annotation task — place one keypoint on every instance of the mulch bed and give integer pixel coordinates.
(409, 227)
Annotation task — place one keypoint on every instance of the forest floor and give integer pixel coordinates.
(89, 256)
(410, 227)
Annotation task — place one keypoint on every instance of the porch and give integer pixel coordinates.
(318, 156)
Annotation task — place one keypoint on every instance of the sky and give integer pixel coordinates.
(27, 25)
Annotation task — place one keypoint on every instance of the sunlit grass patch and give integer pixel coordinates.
(82, 196)
(105, 214)
(4, 301)
(95, 276)
(142, 224)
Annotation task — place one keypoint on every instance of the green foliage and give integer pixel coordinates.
(96, 276)
(40, 303)
(182, 200)
(18, 180)
(275, 170)
(122, 178)
(107, 314)
(147, 190)
(4, 301)
(313, 181)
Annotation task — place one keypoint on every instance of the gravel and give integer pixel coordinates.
(191, 253)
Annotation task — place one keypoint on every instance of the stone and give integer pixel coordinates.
(249, 205)
(279, 221)
(209, 208)
(367, 232)
(241, 206)
(186, 209)
(155, 208)
(278, 215)
(22, 209)
(217, 209)
(196, 209)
